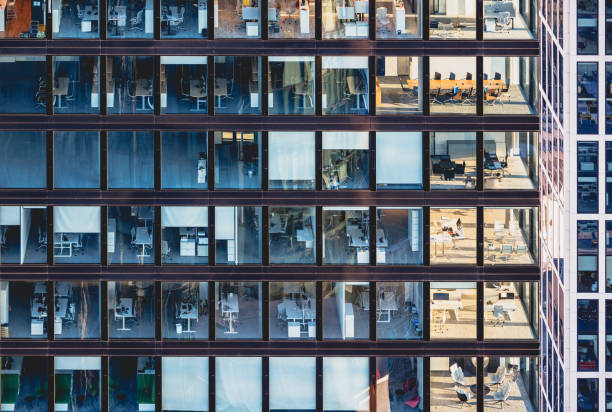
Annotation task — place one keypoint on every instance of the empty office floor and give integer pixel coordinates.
(515, 176)
(394, 100)
(394, 224)
(398, 328)
(517, 327)
(331, 321)
(458, 251)
(451, 327)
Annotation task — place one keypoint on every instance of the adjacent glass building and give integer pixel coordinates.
(273, 206)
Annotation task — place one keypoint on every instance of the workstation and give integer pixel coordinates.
(76, 84)
(237, 235)
(510, 19)
(510, 160)
(238, 311)
(452, 85)
(510, 236)
(238, 160)
(345, 160)
(78, 19)
(398, 19)
(509, 310)
(510, 85)
(346, 307)
(399, 310)
(130, 234)
(184, 84)
(23, 234)
(452, 236)
(237, 19)
(397, 85)
(399, 235)
(452, 162)
(23, 85)
(129, 84)
(77, 380)
(185, 309)
(291, 84)
(345, 85)
(453, 310)
(346, 235)
(76, 237)
(237, 85)
(291, 19)
(292, 310)
(130, 19)
(131, 310)
(184, 235)
(452, 19)
(23, 19)
(345, 19)
(292, 235)
(184, 19)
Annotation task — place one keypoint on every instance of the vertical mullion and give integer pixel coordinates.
(211, 382)
(426, 382)
(104, 311)
(265, 310)
(318, 20)
(157, 20)
(318, 160)
(50, 311)
(49, 89)
(210, 28)
(425, 145)
(425, 19)
(210, 99)
(479, 86)
(479, 311)
(479, 161)
(426, 312)
(318, 84)
(372, 160)
(479, 236)
(263, 7)
(50, 158)
(103, 160)
(319, 236)
(211, 310)
(372, 19)
(372, 238)
(265, 236)
(157, 77)
(158, 310)
(319, 383)
(479, 20)
(263, 88)
(424, 83)
(372, 69)
(372, 311)
(426, 231)
(50, 236)
(264, 160)
(102, 75)
(51, 384)
(104, 384)
(265, 383)
(319, 306)
(102, 18)
(372, 374)
(104, 235)
(210, 163)
(157, 237)
(158, 383)
(211, 237)
(479, 384)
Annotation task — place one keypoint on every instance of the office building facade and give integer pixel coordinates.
(255, 205)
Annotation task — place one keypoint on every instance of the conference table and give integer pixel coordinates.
(460, 84)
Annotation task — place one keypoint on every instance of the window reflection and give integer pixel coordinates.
(238, 313)
(453, 236)
(346, 235)
(292, 384)
(510, 19)
(345, 19)
(588, 394)
(25, 383)
(510, 309)
(289, 19)
(72, 150)
(291, 160)
(184, 383)
(23, 84)
(588, 244)
(586, 42)
(23, 156)
(292, 235)
(237, 235)
(185, 310)
(346, 307)
(78, 20)
(346, 384)
(77, 383)
(510, 85)
(129, 88)
(130, 234)
(237, 85)
(346, 160)
(237, 160)
(131, 310)
(399, 234)
(399, 310)
(238, 372)
(453, 310)
(237, 19)
(453, 160)
(452, 19)
(130, 19)
(450, 90)
(510, 235)
(130, 160)
(76, 237)
(399, 160)
(588, 185)
(588, 329)
(182, 20)
(392, 71)
(399, 382)
(76, 84)
(609, 262)
(609, 90)
(126, 372)
(184, 84)
(77, 310)
(291, 86)
(345, 84)
(23, 310)
(587, 98)
(398, 19)
(293, 311)
(184, 235)
(23, 234)
(184, 160)
(510, 160)
(20, 19)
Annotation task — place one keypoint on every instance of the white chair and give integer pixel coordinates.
(463, 396)
(282, 314)
(457, 374)
(506, 251)
(502, 395)
(135, 21)
(358, 89)
(499, 375)
(293, 330)
(499, 315)
(383, 20)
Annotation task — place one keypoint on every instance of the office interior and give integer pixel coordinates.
(131, 310)
(130, 19)
(511, 310)
(238, 235)
(510, 235)
(288, 19)
(76, 237)
(131, 383)
(510, 160)
(587, 97)
(397, 85)
(237, 19)
(76, 19)
(238, 310)
(452, 85)
(184, 235)
(25, 383)
(345, 85)
(452, 160)
(72, 150)
(345, 19)
(77, 383)
(76, 85)
(184, 19)
(289, 235)
(291, 160)
(185, 310)
(130, 159)
(453, 310)
(452, 19)
(399, 384)
(293, 310)
(346, 235)
(25, 19)
(452, 236)
(510, 19)
(184, 160)
(510, 85)
(237, 160)
(399, 236)
(399, 310)
(130, 234)
(184, 82)
(346, 307)
(588, 352)
(345, 160)
(237, 85)
(291, 85)
(129, 84)
(23, 234)
(398, 19)
(23, 86)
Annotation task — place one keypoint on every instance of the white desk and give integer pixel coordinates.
(112, 227)
(386, 305)
(362, 28)
(349, 321)
(400, 20)
(143, 238)
(445, 305)
(357, 238)
(124, 310)
(440, 238)
(363, 257)
(252, 29)
(188, 311)
(229, 307)
(61, 308)
(304, 20)
(187, 247)
(346, 13)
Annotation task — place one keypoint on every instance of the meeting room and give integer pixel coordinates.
(184, 84)
(130, 19)
(182, 19)
(26, 19)
(237, 19)
(291, 19)
(77, 19)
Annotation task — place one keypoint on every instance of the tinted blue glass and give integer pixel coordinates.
(587, 177)
(184, 160)
(23, 159)
(181, 20)
(76, 19)
(588, 240)
(76, 160)
(609, 97)
(130, 19)
(587, 27)
(587, 335)
(130, 160)
(76, 85)
(23, 87)
(587, 98)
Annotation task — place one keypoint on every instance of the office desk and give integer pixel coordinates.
(445, 305)
(61, 308)
(90, 14)
(357, 237)
(143, 238)
(440, 238)
(198, 91)
(386, 305)
(39, 309)
(250, 13)
(188, 311)
(60, 88)
(144, 89)
(118, 15)
(187, 247)
(345, 13)
(63, 241)
(229, 307)
(124, 310)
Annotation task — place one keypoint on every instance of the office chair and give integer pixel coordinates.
(303, 90)
(485, 76)
(468, 76)
(135, 21)
(451, 76)
(358, 89)
(437, 76)
(497, 76)
(463, 396)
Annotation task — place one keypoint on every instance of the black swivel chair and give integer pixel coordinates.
(437, 76)
(485, 76)
(468, 76)
(497, 76)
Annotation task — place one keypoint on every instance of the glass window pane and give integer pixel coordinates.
(453, 160)
(511, 20)
(588, 171)
(455, 20)
(400, 384)
(292, 235)
(346, 310)
(24, 20)
(23, 156)
(399, 310)
(450, 90)
(129, 88)
(182, 20)
(405, 71)
(345, 20)
(185, 383)
(453, 310)
(291, 160)
(185, 310)
(238, 85)
(25, 383)
(76, 85)
(399, 160)
(291, 85)
(282, 23)
(184, 160)
(23, 234)
(77, 234)
(510, 160)
(588, 243)
(510, 85)
(346, 235)
(130, 19)
(184, 235)
(587, 27)
(609, 259)
(237, 160)
(511, 310)
(77, 310)
(130, 160)
(135, 373)
(519, 380)
(293, 312)
(23, 309)
(72, 150)
(346, 160)
(588, 395)
(588, 329)
(609, 89)
(453, 236)
(511, 235)
(184, 81)
(76, 20)
(237, 20)
(238, 384)
(237, 235)
(608, 336)
(346, 384)
(77, 383)
(130, 234)
(23, 85)
(345, 84)
(399, 236)
(131, 310)
(293, 384)
(238, 314)
(587, 98)
(398, 20)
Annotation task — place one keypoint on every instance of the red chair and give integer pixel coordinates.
(414, 401)
(410, 385)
